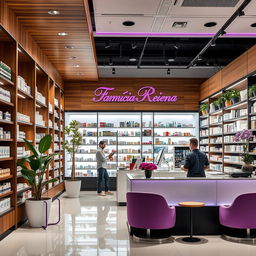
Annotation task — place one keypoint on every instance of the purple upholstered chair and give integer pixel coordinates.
(241, 214)
(149, 211)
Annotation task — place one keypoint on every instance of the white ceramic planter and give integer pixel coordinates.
(36, 212)
(73, 188)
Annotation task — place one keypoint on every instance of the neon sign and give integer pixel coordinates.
(146, 93)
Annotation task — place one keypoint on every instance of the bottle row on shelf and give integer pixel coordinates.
(5, 151)
(134, 124)
(4, 134)
(5, 115)
(5, 187)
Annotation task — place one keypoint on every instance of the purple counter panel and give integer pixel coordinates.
(228, 190)
(176, 191)
(211, 192)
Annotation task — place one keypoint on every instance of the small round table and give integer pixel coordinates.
(191, 205)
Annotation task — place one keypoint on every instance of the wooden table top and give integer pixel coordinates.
(191, 204)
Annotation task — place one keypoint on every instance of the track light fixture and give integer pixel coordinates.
(199, 57)
(113, 71)
(134, 45)
(241, 14)
(110, 62)
(213, 43)
(176, 47)
(168, 71)
(107, 45)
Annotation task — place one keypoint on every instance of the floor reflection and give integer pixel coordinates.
(92, 225)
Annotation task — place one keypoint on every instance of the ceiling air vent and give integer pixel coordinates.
(209, 3)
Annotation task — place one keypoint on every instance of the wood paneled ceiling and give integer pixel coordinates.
(44, 28)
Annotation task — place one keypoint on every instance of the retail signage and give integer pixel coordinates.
(144, 94)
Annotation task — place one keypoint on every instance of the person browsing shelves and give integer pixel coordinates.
(103, 176)
(196, 161)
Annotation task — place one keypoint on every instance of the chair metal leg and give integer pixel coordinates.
(46, 215)
(248, 239)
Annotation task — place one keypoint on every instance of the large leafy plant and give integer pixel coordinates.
(72, 145)
(34, 166)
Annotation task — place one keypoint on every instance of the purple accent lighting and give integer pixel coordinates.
(173, 34)
(146, 93)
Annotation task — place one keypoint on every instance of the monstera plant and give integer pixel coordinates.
(33, 170)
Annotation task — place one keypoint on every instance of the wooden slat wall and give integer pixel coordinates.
(11, 23)
(237, 69)
(214, 83)
(252, 59)
(78, 95)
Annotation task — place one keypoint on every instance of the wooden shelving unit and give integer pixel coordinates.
(24, 107)
(220, 146)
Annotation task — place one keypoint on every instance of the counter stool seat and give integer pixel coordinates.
(191, 205)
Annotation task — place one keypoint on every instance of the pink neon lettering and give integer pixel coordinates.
(146, 93)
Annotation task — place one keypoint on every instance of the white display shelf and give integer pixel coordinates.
(123, 122)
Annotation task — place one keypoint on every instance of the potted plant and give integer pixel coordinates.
(148, 168)
(235, 96)
(227, 96)
(204, 109)
(252, 91)
(73, 185)
(33, 171)
(216, 105)
(245, 136)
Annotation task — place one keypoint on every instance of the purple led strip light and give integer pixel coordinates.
(170, 34)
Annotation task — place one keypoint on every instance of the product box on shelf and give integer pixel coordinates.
(5, 204)
(5, 115)
(23, 118)
(22, 85)
(5, 95)
(5, 71)
(5, 187)
(5, 172)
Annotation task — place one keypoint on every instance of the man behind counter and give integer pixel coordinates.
(196, 161)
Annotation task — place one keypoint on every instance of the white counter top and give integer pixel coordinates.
(180, 175)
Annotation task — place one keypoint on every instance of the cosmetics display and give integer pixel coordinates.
(4, 151)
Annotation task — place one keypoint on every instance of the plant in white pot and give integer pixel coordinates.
(71, 145)
(33, 170)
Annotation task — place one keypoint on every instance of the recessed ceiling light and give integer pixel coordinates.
(128, 23)
(69, 47)
(76, 66)
(210, 24)
(253, 25)
(62, 34)
(53, 12)
(72, 57)
(171, 59)
(132, 59)
(176, 47)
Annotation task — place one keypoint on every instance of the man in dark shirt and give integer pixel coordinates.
(196, 161)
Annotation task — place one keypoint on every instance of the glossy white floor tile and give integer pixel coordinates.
(93, 225)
